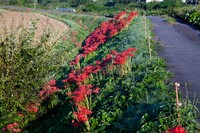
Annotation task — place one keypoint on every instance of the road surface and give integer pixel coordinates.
(181, 49)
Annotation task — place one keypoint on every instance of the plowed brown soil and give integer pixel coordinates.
(14, 18)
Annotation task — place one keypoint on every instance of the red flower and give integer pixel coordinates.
(80, 94)
(15, 124)
(120, 15)
(119, 60)
(82, 113)
(20, 115)
(32, 108)
(178, 129)
(10, 126)
(81, 117)
(113, 52)
(75, 124)
(96, 90)
(48, 89)
(69, 94)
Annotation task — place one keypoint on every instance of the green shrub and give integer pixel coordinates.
(25, 65)
(171, 4)
(152, 5)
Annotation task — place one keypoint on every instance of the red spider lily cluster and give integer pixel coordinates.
(78, 77)
(121, 58)
(120, 15)
(48, 89)
(104, 32)
(177, 129)
(79, 97)
(11, 128)
(32, 107)
(82, 114)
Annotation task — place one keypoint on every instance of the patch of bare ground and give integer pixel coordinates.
(11, 19)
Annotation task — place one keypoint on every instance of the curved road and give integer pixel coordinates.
(181, 49)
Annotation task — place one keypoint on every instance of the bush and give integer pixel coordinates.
(25, 65)
(93, 7)
(152, 5)
(171, 4)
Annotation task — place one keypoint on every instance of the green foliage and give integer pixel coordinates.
(25, 65)
(152, 5)
(162, 8)
(22, 2)
(189, 14)
(171, 4)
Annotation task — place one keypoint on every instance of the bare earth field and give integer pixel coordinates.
(14, 18)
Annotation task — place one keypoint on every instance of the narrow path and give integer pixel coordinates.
(181, 45)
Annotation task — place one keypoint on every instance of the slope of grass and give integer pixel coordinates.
(139, 101)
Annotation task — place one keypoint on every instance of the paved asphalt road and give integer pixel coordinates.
(181, 49)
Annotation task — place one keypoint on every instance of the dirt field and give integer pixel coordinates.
(14, 18)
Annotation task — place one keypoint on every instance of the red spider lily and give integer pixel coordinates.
(81, 93)
(120, 15)
(94, 40)
(104, 32)
(48, 89)
(82, 114)
(131, 16)
(77, 59)
(9, 126)
(75, 124)
(97, 62)
(106, 60)
(178, 129)
(33, 108)
(79, 76)
(12, 128)
(113, 52)
(96, 90)
(20, 115)
(16, 130)
(120, 58)
(69, 94)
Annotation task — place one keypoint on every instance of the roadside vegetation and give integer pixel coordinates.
(101, 75)
(115, 82)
